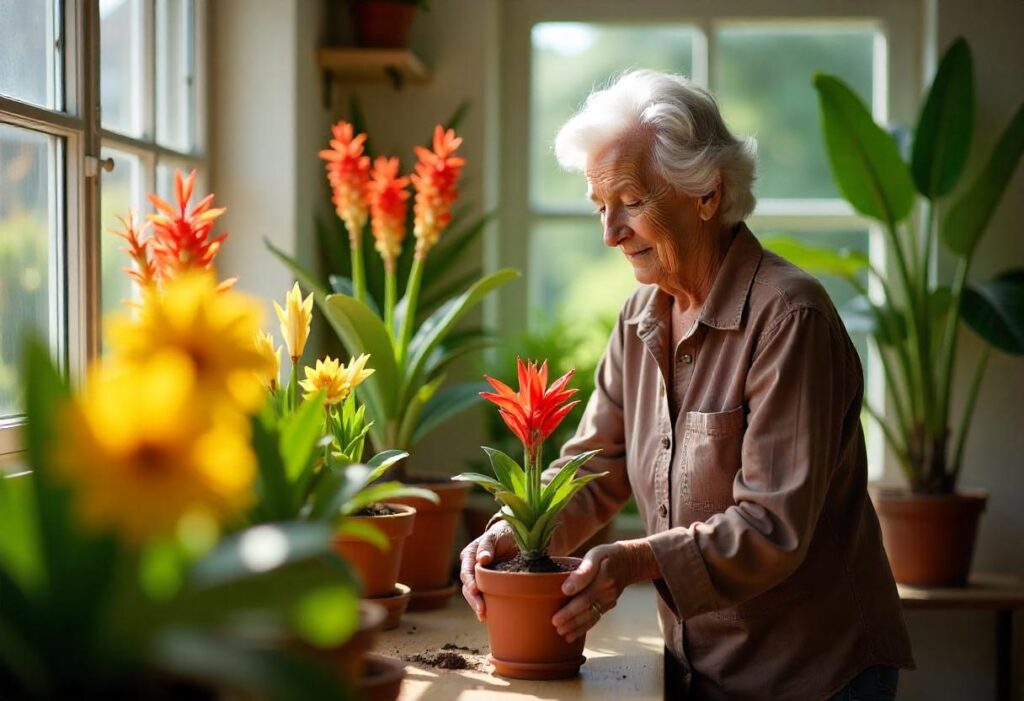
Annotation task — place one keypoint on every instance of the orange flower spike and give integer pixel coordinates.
(388, 194)
(348, 172)
(436, 178)
(536, 410)
(181, 238)
(144, 273)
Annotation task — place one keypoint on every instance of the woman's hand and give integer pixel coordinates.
(496, 543)
(598, 583)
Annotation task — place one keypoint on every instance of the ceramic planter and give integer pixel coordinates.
(383, 24)
(930, 537)
(524, 643)
(378, 569)
(382, 679)
(429, 551)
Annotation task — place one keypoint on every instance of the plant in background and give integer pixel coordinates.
(915, 327)
(532, 414)
(404, 398)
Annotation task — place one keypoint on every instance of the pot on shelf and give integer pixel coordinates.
(383, 24)
(930, 538)
(378, 569)
(524, 643)
(429, 551)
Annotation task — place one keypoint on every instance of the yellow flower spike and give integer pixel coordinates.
(144, 450)
(295, 320)
(330, 375)
(264, 343)
(355, 373)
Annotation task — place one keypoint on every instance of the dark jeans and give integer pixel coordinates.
(876, 683)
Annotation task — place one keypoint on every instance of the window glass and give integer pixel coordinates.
(122, 190)
(122, 66)
(174, 79)
(28, 53)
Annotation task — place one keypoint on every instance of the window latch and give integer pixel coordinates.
(94, 164)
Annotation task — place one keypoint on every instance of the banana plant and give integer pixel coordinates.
(529, 506)
(915, 327)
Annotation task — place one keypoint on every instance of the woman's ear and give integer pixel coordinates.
(709, 202)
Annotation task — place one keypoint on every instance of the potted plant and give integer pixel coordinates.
(406, 397)
(385, 24)
(522, 594)
(928, 530)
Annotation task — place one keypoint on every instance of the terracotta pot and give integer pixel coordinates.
(524, 643)
(383, 24)
(429, 552)
(378, 569)
(930, 537)
(348, 660)
(382, 680)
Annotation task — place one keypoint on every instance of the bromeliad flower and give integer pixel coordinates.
(144, 273)
(348, 173)
(338, 380)
(536, 410)
(387, 194)
(435, 180)
(182, 239)
(295, 318)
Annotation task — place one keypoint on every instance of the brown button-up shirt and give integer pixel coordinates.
(774, 581)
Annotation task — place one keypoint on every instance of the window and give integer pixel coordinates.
(760, 69)
(61, 66)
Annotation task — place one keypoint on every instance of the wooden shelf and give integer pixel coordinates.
(397, 66)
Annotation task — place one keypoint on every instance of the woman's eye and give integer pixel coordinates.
(634, 204)
(599, 211)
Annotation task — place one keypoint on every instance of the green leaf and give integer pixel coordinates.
(881, 321)
(414, 409)
(19, 542)
(363, 332)
(943, 137)
(568, 490)
(382, 492)
(344, 286)
(967, 219)
(995, 311)
(564, 475)
(364, 530)
(275, 498)
(445, 256)
(818, 260)
(864, 159)
(520, 509)
(300, 433)
(457, 345)
(489, 483)
(507, 470)
(384, 460)
(445, 404)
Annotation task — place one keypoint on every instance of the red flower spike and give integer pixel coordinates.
(181, 239)
(536, 410)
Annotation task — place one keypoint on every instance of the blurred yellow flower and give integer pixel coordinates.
(143, 449)
(338, 380)
(212, 327)
(295, 320)
(265, 345)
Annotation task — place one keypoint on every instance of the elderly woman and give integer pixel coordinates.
(728, 403)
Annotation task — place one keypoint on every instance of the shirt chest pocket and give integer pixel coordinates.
(712, 444)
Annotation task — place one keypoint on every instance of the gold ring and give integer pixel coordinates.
(596, 608)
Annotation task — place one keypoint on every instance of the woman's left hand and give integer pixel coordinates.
(605, 571)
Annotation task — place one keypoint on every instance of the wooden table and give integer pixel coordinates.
(624, 656)
(1001, 594)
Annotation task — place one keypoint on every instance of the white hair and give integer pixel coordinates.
(691, 146)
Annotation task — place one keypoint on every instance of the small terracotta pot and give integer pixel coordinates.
(524, 643)
(429, 552)
(348, 660)
(930, 537)
(383, 24)
(395, 603)
(378, 569)
(382, 680)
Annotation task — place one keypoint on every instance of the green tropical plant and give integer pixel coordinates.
(532, 414)
(915, 327)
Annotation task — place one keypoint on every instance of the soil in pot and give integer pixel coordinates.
(930, 538)
(520, 605)
(429, 551)
(378, 569)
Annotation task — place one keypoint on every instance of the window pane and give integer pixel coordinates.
(762, 78)
(28, 230)
(27, 51)
(568, 60)
(122, 190)
(122, 65)
(174, 79)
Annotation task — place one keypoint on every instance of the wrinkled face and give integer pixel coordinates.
(653, 225)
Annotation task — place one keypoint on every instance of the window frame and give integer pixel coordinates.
(76, 119)
(895, 87)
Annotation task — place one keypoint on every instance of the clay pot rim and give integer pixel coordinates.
(901, 494)
(524, 584)
(381, 670)
(407, 512)
(371, 616)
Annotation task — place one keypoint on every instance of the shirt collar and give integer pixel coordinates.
(723, 309)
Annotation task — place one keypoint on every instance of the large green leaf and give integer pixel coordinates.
(489, 483)
(818, 260)
(445, 404)
(507, 470)
(299, 435)
(457, 345)
(275, 500)
(995, 311)
(568, 490)
(362, 331)
(865, 161)
(970, 214)
(565, 475)
(943, 137)
(382, 492)
(19, 542)
(452, 247)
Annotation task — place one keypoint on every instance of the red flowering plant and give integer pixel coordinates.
(530, 507)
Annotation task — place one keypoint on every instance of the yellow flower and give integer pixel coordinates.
(143, 450)
(265, 345)
(295, 320)
(214, 328)
(338, 380)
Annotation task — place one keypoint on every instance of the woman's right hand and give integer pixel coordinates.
(496, 543)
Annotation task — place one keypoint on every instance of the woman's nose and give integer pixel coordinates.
(615, 232)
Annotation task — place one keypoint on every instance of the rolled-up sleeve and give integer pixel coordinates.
(800, 393)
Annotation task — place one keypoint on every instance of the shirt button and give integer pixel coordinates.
(687, 358)
(663, 511)
(666, 441)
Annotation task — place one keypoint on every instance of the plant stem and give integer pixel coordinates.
(948, 355)
(293, 385)
(412, 293)
(389, 296)
(965, 420)
(358, 269)
(897, 449)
